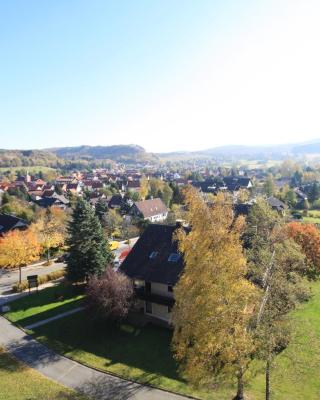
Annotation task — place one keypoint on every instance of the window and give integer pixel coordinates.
(153, 255)
(170, 289)
(174, 257)
(148, 307)
(138, 284)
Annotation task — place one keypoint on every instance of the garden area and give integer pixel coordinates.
(143, 353)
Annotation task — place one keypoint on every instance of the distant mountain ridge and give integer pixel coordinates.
(120, 153)
(262, 151)
(134, 154)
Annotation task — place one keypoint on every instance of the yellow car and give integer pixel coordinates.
(114, 245)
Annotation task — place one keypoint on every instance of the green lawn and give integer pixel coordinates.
(144, 354)
(18, 382)
(44, 304)
(296, 370)
(312, 218)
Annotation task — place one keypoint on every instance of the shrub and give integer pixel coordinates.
(52, 276)
(109, 296)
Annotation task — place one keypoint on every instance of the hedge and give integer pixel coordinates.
(20, 287)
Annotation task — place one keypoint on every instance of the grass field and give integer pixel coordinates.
(44, 304)
(18, 382)
(312, 218)
(144, 354)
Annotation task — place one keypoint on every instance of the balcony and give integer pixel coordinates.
(153, 298)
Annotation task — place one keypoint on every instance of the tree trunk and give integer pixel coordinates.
(268, 380)
(240, 390)
(20, 274)
(48, 256)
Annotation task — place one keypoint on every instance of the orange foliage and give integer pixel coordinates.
(308, 237)
(18, 248)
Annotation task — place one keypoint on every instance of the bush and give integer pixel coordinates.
(109, 296)
(52, 276)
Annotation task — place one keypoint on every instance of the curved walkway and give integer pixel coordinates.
(99, 385)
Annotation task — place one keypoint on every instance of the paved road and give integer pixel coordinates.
(99, 385)
(8, 278)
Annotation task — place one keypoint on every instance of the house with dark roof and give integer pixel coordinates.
(134, 186)
(74, 188)
(120, 202)
(10, 222)
(230, 183)
(54, 200)
(154, 265)
(153, 210)
(277, 205)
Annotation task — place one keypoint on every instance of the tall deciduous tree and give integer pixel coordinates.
(89, 251)
(50, 229)
(166, 194)
(144, 187)
(214, 301)
(269, 186)
(18, 249)
(276, 265)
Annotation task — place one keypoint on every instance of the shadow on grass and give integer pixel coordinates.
(50, 297)
(140, 353)
(50, 313)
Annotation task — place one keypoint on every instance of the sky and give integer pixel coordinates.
(165, 74)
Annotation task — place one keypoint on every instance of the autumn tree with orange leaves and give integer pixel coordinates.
(308, 237)
(18, 249)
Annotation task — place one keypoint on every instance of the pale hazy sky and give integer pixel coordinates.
(168, 75)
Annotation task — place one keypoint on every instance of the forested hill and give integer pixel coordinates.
(75, 156)
(28, 158)
(121, 153)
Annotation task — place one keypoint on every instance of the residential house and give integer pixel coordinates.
(10, 222)
(277, 205)
(153, 210)
(73, 188)
(154, 265)
(53, 200)
(133, 186)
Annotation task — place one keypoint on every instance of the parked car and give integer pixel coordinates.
(63, 258)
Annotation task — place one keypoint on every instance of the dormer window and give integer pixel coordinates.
(153, 255)
(174, 257)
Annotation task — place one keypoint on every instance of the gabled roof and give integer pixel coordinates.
(46, 202)
(155, 239)
(72, 186)
(9, 222)
(276, 203)
(116, 201)
(133, 184)
(149, 208)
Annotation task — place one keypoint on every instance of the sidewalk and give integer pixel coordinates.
(99, 385)
(8, 297)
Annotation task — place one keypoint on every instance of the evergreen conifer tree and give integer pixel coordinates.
(89, 250)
